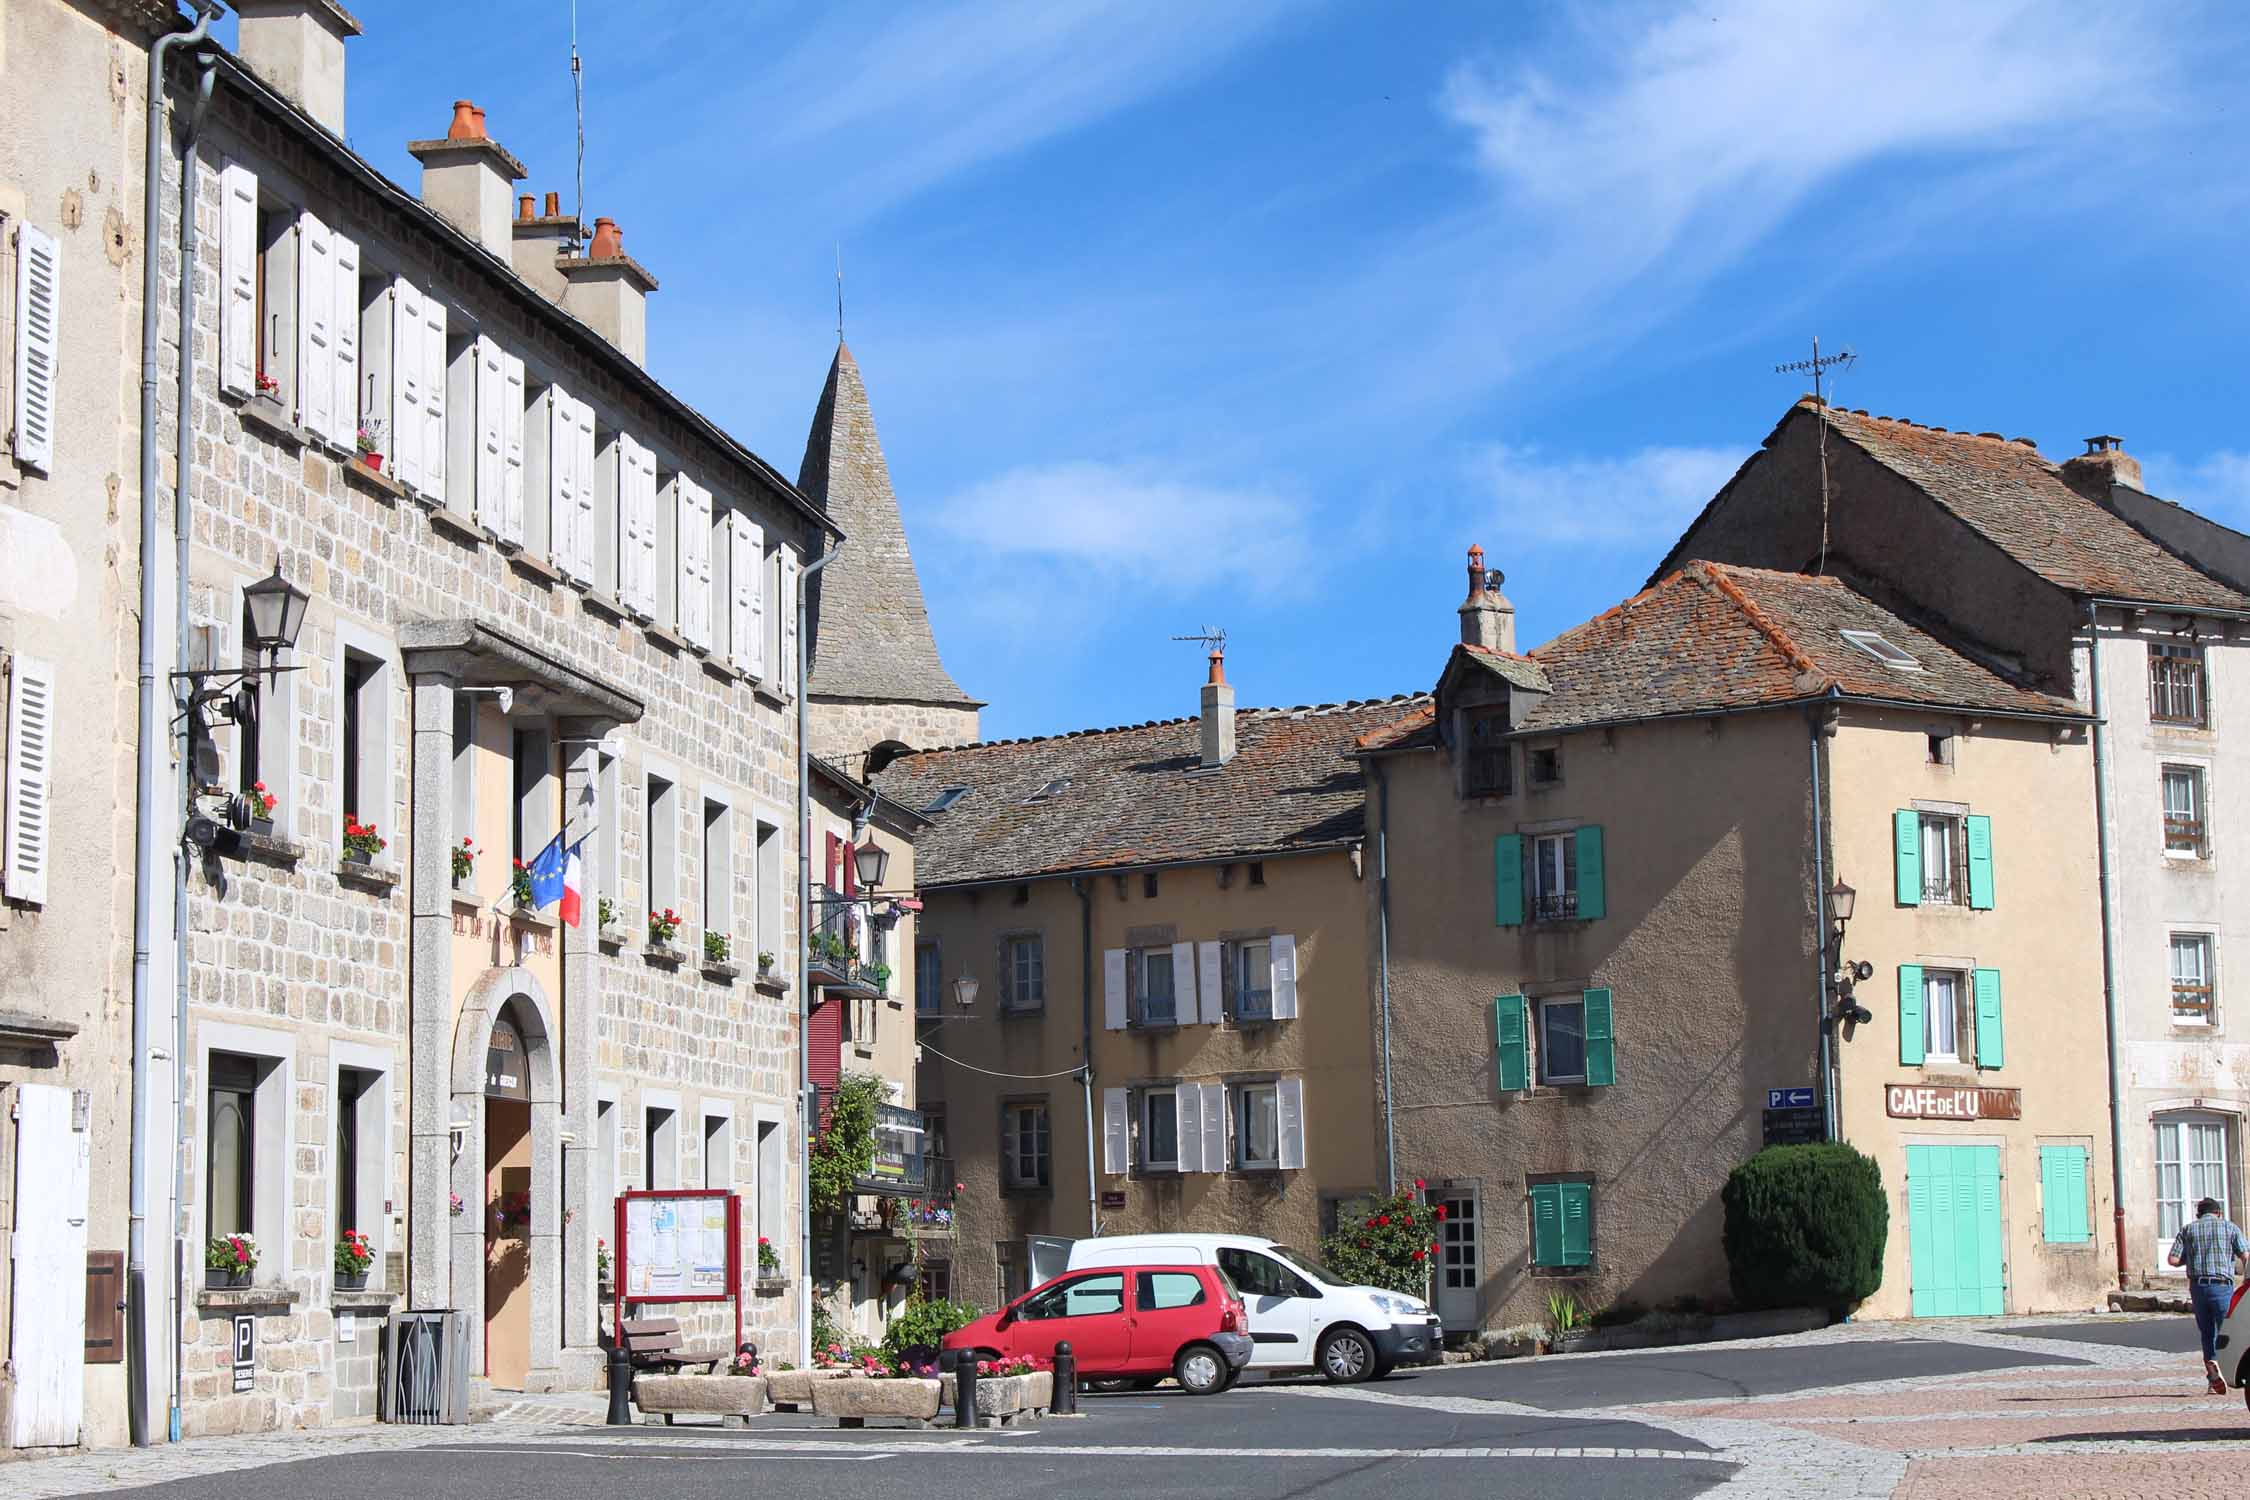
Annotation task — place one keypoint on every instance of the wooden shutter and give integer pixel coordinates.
(561, 499)
(631, 557)
(1210, 982)
(105, 1313)
(432, 364)
(1187, 1129)
(238, 279)
(582, 477)
(344, 284)
(491, 381)
(511, 443)
(1113, 989)
(48, 1251)
(1184, 1011)
(2062, 1195)
(1507, 880)
(31, 753)
(1601, 1045)
(1906, 826)
(694, 561)
(1912, 1028)
(1593, 888)
(1577, 1201)
(746, 566)
(38, 344)
(409, 382)
(1991, 1051)
(1980, 861)
(1284, 952)
(1508, 1037)
(1214, 1105)
(316, 327)
(787, 604)
(1117, 1143)
(1289, 1109)
(1546, 1224)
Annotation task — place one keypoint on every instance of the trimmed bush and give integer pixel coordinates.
(1805, 1227)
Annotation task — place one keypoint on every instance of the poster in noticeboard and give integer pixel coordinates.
(676, 1246)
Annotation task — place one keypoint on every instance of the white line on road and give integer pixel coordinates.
(754, 1447)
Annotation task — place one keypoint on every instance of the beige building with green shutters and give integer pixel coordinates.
(1601, 936)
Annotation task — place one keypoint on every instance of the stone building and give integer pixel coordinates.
(1163, 926)
(1604, 935)
(2070, 578)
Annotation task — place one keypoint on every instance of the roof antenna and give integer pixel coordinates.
(1211, 638)
(839, 294)
(578, 90)
(1818, 366)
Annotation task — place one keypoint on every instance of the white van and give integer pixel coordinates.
(1301, 1316)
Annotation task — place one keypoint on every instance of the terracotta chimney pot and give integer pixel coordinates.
(479, 113)
(464, 126)
(554, 205)
(523, 206)
(609, 241)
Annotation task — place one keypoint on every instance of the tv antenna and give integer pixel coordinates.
(839, 294)
(1818, 367)
(1210, 637)
(578, 92)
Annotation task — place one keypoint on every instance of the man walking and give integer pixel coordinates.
(2209, 1247)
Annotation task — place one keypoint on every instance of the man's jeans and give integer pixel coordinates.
(2210, 1299)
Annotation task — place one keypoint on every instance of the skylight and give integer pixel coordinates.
(945, 798)
(1883, 651)
(1053, 788)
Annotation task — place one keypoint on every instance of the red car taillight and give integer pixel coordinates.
(1236, 1317)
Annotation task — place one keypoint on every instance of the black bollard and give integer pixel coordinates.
(620, 1386)
(965, 1391)
(1065, 1402)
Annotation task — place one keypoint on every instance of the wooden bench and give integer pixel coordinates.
(655, 1344)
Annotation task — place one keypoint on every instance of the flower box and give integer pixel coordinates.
(791, 1390)
(351, 1281)
(852, 1401)
(226, 1280)
(736, 1398)
(1003, 1398)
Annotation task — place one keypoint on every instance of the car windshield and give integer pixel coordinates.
(1308, 1265)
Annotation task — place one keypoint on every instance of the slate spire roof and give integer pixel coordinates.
(870, 629)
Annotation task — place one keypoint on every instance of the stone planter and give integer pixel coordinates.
(736, 1398)
(226, 1280)
(1004, 1398)
(791, 1390)
(853, 1401)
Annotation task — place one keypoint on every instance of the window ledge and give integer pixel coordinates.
(724, 671)
(771, 696)
(1254, 1023)
(533, 920)
(722, 970)
(1158, 1027)
(613, 939)
(664, 955)
(268, 848)
(1022, 1012)
(454, 524)
(770, 1286)
(270, 417)
(772, 984)
(1026, 1192)
(602, 604)
(659, 635)
(365, 1300)
(376, 880)
(357, 472)
(537, 569)
(466, 901)
(223, 1301)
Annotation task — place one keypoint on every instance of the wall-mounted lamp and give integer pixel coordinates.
(1842, 900)
(965, 993)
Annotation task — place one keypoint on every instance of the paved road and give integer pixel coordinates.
(2169, 1335)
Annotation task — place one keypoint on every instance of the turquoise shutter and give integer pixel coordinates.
(1907, 836)
(1990, 1052)
(1546, 1224)
(1980, 862)
(1508, 1033)
(1593, 897)
(1507, 880)
(2062, 1195)
(1912, 1030)
(1601, 1047)
(1577, 1223)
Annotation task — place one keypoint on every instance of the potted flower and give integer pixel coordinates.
(228, 1260)
(716, 946)
(464, 860)
(519, 886)
(371, 443)
(744, 1363)
(361, 842)
(662, 925)
(607, 918)
(455, 1206)
(878, 975)
(601, 1262)
(268, 386)
(353, 1256)
(765, 964)
(769, 1259)
(261, 808)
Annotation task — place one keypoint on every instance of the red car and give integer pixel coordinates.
(1136, 1323)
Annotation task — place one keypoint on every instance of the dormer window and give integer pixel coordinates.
(945, 798)
(1488, 769)
(1052, 789)
(1883, 651)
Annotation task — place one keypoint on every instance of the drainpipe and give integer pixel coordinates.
(807, 1107)
(2109, 957)
(1821, 920)
(149, 726)
(1383, 951)
(1085, 891)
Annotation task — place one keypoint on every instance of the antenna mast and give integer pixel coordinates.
(1210, 637)
(839, 293)
(578, 90)
(1818, 366)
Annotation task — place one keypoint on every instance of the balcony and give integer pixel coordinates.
(834, 959)
(1555, 906)
(898, 1168)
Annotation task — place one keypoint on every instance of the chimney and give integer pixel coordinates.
(1218, 714)
(297, 46)
(470, 178)
(540, 240)
(1487, 618)
(2104, 463)
(608, 291)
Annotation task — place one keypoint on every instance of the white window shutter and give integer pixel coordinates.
(316, 327)
(582, 484)
(409, 384)
(490, 381)
(1284, 978)
(238, 279)
(1113, 989)
(31, 752)
(346, 329)
(1214, 1127)
(1187, 1128)
(790, 569)
(38, 344)
(1289, 1105)
(561, 499)
(511, 445)
(1184, 983)
(433, 397)
(1210, 983)
(693, 555)
(1117, 1145)
(628, 523)
(746, 570)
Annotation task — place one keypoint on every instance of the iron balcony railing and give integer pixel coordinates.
(835, 957)
(1555, 906)
(2184, 834)
(898, 1168)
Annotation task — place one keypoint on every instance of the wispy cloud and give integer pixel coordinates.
(1634, 500)
(2217, 485)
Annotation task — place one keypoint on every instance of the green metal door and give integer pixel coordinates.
(1953, 1230)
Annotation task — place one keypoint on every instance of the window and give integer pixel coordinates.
(718, 869)
(1250, 978)
(366, 720)
(608, 842)
(1087, 1297)
(1487, 764)
(1949, 1026)
(1052, 789)
(1256, 1275)
(772, 1184)
(660, 1146)
(266, 722)
(604, 1165)
(2175, 683)
(937, 1280)
(1562, 1040)
(1023, 972)
(1562, 1225)
(1554, 877)
(2191, 1165)
(2183, 811)
(1008, 1270)
(230, 1201)
(718, 1151)
(2191, 978)
(1257, 872)
(359, 1167)
(1883, 651)
(768, 938)
(1160, 1290)
(2064, 1219)
(945, 798)
(464, 766)
(533, 823)
(663, 874)
(277, 303)
(1160, 1130)
(1941, 749)
(1154, 1003)
(1944, 872)
(1148, 885)
(1257, 1126)
(929, 975)
(1545, 765)
(1024, 1145)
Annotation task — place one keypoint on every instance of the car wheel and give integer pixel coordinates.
(1347, 1356)
(1201, 1370)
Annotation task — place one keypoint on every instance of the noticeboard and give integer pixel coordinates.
(677, 1246)
(1796, 1126)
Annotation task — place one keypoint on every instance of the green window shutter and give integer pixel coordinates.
(1980, 862)
(2062, 1195)
(1990, 1051)
(1577, 1223)
(1508, 1034)
(1912, 1030)
(1593, 896)
(1601, 1044)
(1907, 835)
(1546, 1224)
(1507, 880)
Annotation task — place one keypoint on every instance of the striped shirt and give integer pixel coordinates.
(2208, 1246)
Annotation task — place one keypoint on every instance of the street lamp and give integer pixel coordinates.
(276, 608)
(277, 612)
(871, 860)
(1841, 899)
(965, 992)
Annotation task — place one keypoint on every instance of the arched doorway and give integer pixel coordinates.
(507, 1202)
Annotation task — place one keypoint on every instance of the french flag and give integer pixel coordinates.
(558, 874)
(574, 882)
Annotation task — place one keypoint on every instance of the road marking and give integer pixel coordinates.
(755, 1447)
(621, 1457)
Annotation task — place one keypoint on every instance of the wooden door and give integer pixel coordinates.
(507, 1242)
(47, 1340)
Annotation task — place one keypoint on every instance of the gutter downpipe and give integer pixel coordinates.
(148, 727)
(807, 1106)
(1085, 892)
(2109, 957)
(1821, 921)
(1383, 950)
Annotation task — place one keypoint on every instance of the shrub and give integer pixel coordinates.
(1805, 1227)
(1391, 1245)
(845, 1147)
(923, 1323)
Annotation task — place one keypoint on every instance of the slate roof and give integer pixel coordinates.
(1137, 795)
(1713, 636)
(871, 630)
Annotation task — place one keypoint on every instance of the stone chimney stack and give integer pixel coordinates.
(470, 178)
(297, 46)
(608, 291)
(1218, 714)
(1487, 618)
(541, 241)
(2104, 463)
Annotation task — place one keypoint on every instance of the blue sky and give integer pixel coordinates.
(1256, 315)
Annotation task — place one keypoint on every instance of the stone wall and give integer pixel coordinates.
(845, 729)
